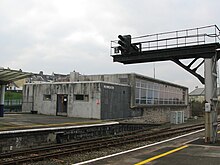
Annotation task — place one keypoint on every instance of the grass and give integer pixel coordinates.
(11, 95)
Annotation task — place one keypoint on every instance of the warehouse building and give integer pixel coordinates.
(108, 96)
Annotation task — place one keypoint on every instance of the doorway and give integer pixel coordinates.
(62, 100)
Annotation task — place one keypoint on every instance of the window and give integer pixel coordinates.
(123, 80)
(152, 93)
(47, 98)
(82, 97)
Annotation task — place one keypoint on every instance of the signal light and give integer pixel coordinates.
(125, 45)
(134, 47)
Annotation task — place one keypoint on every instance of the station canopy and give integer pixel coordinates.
(8, 75)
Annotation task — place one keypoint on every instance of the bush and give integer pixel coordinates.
(13, 95)
(198, 108)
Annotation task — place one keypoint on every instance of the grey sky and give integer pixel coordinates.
(65, 35)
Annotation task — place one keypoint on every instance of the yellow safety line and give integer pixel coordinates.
(161, 155)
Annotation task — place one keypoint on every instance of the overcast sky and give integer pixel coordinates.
(65, 35)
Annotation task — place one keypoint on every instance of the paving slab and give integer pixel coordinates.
(23, 121)
(190, 150)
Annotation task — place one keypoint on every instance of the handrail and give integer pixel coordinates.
(172, 38)
(201, 35)
(169, 32)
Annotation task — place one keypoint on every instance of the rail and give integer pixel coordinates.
(93, 144)
(173, 39)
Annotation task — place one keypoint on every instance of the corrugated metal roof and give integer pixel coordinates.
(8, 75)
(198, 92)
(201, 92)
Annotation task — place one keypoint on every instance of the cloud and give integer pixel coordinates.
(61, 36)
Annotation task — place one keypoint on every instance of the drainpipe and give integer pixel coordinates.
(133, 86)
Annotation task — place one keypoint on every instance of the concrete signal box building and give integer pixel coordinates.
(109, 96)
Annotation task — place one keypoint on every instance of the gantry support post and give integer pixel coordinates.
(211, 100)
(2, 99)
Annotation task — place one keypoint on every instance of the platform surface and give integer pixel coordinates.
(23, 121)
(190, 150)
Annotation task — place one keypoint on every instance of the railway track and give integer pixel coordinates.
(42, 153)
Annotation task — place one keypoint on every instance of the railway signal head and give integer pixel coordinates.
(125, 44)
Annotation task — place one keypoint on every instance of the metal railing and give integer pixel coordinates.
(173, 39)
(13, 105)
(13, 102)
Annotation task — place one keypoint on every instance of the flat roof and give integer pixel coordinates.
(8, 75)
(113, 83)
(140, 76)
(76, 82)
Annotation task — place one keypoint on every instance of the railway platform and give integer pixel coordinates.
(182, 149)
(19, 121)
(186, 150)
(27, 121)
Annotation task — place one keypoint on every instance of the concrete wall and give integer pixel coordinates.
(33, 99)
(105, 100)
(27, 101)
(127, 79)
(45, 106)
(86, 109)
(114, 78)
(11, 141)
(110, 96)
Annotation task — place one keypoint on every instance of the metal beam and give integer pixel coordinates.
(187, 52)
(174, 46)
(8, 75)
(201, 79)
(195, 69)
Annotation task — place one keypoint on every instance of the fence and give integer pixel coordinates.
(14, 105)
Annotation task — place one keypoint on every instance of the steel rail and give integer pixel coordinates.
(72, 143)
(97, 144)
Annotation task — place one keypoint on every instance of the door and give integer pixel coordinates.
(62, 101)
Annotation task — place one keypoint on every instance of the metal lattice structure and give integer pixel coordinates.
(195, 43)
(174, 46)
(174, 39)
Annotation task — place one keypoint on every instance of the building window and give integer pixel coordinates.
(152, 93)
(47, 98)
(123, 80)
(82, 97)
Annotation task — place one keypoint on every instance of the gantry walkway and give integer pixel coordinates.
(190, 43)
(195, 43)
